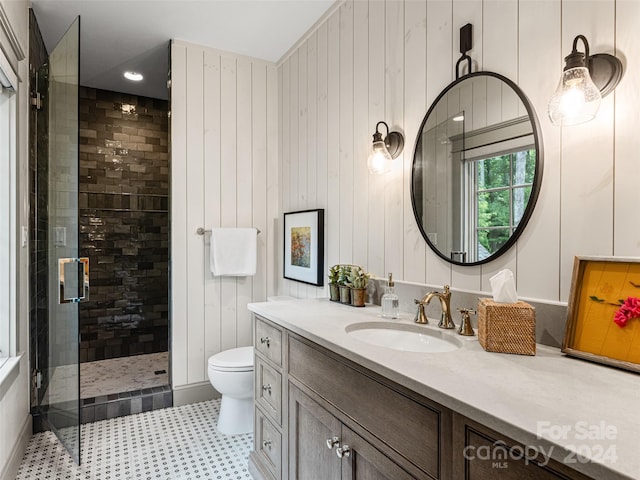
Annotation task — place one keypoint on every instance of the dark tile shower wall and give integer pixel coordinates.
(124, 224)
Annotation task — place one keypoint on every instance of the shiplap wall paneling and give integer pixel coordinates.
(322, 132)
(258, 169)
(212, 195)
(244, 190)
(312, 120)
(195, 216)
(345, 139)
(376, 206)
(179, 270)
(500, 55)
(295, 289)
(312, 136)
(440, 72)
(587, 151)
(228, 189)
(525, 40)
(332, 247)
(467, 11)
(539, 246)
(361, 133)
(273, 237)
(627, 141)
(394, 116)
(285, 163)
(415, 107)
(221, 177)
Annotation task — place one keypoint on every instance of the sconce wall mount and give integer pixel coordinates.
(585, 80)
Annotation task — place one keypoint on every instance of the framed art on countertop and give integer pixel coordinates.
(603, 318)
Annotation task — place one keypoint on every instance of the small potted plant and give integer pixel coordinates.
(334, 288)
(359, 279)
(343, 282)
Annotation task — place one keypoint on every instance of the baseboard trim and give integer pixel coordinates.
(193, 393)
(17, 453)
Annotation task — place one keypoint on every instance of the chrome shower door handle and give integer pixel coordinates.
(73, 278)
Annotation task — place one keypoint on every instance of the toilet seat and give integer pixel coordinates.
(234, 360)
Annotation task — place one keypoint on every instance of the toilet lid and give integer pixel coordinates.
(236, 359)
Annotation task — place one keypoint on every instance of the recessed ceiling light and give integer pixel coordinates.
(133, 76)
(459, 118)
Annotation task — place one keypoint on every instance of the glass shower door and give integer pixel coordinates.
(67, 274)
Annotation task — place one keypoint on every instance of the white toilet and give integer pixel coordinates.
(231, 374)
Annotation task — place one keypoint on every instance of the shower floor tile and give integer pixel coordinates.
(106, 377)
(173, 443)
(109, 377)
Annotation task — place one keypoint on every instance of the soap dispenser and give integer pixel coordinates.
(390, 302)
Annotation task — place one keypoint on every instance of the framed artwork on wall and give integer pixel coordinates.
(304, 246)
(603, 318)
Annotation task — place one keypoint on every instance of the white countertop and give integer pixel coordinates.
(528, 398)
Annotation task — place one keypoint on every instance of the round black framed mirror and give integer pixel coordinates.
(477, 168)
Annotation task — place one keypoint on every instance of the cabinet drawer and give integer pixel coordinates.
(268, 444)
(268, 389)
(268, 341)
(410, 428)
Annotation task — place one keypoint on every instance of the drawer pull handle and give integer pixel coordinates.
(267, 388)
(333, 442)
(266, 444)
(343, 451)
(266, 340)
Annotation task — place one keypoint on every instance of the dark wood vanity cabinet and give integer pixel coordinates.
(320, 416)
(484, 454)
(322, 447)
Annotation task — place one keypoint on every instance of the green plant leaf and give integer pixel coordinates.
(596, 299)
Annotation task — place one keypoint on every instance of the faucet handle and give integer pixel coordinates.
(465, 325)
(420, 317)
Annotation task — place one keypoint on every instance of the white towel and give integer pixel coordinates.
(233, 251)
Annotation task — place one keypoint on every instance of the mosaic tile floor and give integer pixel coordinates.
(174, 443)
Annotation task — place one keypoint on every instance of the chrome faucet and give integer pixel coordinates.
(445, 303)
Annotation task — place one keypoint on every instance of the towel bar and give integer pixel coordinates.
(202, 231)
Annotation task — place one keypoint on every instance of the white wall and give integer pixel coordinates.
(224, 149)
(388, 60)
(15, 421)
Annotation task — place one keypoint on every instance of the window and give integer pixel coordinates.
(8, 121)
(501, 189)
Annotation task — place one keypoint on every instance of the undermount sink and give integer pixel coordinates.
(400, 336)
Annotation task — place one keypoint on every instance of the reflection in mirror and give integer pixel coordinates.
(476, 169)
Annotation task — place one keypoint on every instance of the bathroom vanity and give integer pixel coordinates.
(333, 405)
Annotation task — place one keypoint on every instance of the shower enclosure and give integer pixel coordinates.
(124, 231)
(99, 226)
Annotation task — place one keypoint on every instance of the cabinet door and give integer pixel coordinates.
(483, 454)
(365, 462)
(310, 426)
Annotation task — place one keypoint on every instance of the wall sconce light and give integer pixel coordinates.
(384, 150)
(585, 80)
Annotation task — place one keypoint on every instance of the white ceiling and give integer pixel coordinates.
(120, 35)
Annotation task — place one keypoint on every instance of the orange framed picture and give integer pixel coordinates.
(603, 318)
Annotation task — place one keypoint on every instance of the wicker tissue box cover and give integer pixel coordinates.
(507, 327)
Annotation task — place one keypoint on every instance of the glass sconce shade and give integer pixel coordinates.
(384, 150)
(379, 161)
(576, 99)
(585, 80)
